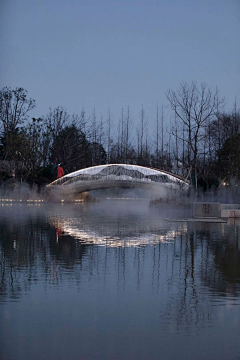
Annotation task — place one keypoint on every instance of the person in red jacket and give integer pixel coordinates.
(60, 171)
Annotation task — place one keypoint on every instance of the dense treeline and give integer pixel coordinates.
(202, 142)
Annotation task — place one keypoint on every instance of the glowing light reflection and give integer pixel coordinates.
(89, 237)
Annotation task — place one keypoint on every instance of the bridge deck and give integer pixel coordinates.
(119, 175)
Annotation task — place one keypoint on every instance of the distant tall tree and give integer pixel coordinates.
(31, 152)
(71, 149)
(97, 154)
(225, 126)
(194, 107)
(14, 108)
(140, 136)
(127, 133)
(229, 158)
(123, 137)
(157, 139)
(96, 137)
(109, 140)
(56, 123)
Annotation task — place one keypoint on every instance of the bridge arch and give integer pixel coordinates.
(119, 175)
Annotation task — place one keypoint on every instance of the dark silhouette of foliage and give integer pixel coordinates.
(71, 149)
(229, 158)
(202, 139)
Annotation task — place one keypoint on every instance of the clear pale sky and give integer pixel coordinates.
(110, 54)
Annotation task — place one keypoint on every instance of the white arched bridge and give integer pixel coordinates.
(118, 175)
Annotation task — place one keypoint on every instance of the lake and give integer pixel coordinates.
(115, 280)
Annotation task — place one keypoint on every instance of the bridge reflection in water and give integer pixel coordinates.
(119, 175)
(112, 232)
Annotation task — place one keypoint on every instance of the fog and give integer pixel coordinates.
(177, 198)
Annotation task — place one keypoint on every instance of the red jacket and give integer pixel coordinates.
(60, 171)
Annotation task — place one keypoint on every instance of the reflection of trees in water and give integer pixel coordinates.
(29, 252)
(179, 273)
(21, 242)
(222, 274)
(188, 303)
(208, 257)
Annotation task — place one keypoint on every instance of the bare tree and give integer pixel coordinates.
(157, 138)
(109, 141)
(127, 135)
(162, 145)
(140, 136)
(194, 106)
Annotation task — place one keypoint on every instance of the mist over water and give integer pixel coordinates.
(225, 194)
(114, 280)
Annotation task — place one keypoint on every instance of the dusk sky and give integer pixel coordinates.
(110, 54)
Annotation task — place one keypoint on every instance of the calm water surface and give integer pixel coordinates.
(116, 281)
